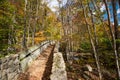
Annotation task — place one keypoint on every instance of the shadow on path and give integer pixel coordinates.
(48, 68)
(40, 69)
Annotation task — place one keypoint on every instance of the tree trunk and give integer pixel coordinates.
(102, 21)
(29, 24)
(92, 43)
(114, 41)
(94, 4)
(25, 27)
(94, 27)
(114, 3)
(119, 3)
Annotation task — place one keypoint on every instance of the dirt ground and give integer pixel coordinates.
(78, 71)
(40, 69)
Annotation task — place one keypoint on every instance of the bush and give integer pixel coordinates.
(62, 47)
(118, 41)
(105, 43)
(85, 45)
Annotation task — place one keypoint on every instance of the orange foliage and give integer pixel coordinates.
(39, 33)
(119, 28)
(39, 37)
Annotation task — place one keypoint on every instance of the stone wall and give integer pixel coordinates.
(12, 65)
(32, 54)
(58, 66)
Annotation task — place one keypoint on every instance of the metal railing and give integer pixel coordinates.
(41, 45)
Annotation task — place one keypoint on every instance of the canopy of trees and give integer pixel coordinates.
(24, 23)
(79, 26)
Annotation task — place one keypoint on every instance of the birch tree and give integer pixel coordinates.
(113, 38)
(92, 42)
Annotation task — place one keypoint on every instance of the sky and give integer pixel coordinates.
(54, 4)
(111, 12)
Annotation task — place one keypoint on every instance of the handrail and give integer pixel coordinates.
(30, 53)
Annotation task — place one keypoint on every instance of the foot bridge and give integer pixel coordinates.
(40, 62)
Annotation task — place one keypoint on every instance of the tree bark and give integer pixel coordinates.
(119, 3)
(94, 27)
(25, 27)
(114, 40)
(92, 43)
(114, 3)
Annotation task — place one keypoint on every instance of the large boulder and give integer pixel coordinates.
(87, 67)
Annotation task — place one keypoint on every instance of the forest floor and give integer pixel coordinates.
(40, 69)
(84, 68)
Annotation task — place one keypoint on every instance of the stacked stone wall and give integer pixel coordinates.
(11, 66)
(58, 66)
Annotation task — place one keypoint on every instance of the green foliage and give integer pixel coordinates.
(53, 33)
(105, 43)
(107, 59)
(53, 27)
(62, 47)
(6, 13)
(85, 45)
(118, 41)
